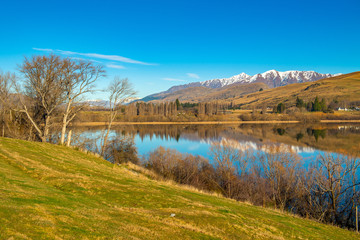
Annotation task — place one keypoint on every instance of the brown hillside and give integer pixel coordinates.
(204, 94)
(342, 88)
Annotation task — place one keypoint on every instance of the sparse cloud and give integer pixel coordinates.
(173, 80)
(43, 49)
(95, 55)
(83, 59)
(115, 66)
(193, 75)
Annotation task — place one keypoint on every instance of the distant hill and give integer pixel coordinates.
(342, 88)
(54, 192)
(205, 94)
(270, 78)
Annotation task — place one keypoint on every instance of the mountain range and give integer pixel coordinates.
(271, 79)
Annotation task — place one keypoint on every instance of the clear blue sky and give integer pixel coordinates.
(158, 44)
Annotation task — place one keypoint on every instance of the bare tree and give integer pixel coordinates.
(79, 78)
(229, 161)
(120, 91)
(280, 169)
(336, 182)
(6, 80)
(43, 92)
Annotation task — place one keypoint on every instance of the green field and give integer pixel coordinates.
(53, 192)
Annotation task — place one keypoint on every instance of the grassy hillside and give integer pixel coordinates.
(186, 95)
(233, 90)
(53, 192)
(343, 87)
(204, 94)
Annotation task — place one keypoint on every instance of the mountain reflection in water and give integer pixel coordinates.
(307, 140)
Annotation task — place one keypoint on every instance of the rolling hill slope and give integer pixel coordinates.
(342, 88)
(205, 94)
(53, 192)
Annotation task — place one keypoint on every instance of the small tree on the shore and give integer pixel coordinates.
(316, 105)
(6, 80)
(120, 91)
(178, 105)
(79, 78)
(299, 102)
(280, 108)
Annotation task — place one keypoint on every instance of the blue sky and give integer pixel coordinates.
(158, 44)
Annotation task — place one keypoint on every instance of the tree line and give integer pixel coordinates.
(313, 106)
(171, 111)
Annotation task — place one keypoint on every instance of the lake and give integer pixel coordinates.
(307, 140)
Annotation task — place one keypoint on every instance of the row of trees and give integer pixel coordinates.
(165, 109)
(312, 106)
(328, 190)
(171, 111)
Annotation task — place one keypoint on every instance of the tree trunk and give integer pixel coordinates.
(3, 128)
(46, 129)
(38, 130)
(30, 133)
(63, 130)
(64, 123)
(105, 139)
(69, 138)
(111, 119)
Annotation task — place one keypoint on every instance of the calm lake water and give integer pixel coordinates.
(307, 140)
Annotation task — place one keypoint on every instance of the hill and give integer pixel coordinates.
(341, 88)
(50, 192)
(205, 94)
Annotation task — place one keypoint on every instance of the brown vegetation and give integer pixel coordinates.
(327, 191)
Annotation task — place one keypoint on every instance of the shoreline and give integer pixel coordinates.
(206, 122)
(339, 121)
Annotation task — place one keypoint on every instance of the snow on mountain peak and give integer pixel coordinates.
(272, 78)
(242, 75)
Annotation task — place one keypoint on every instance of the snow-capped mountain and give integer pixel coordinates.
(272, 78)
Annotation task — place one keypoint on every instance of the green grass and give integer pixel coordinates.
(53, 192)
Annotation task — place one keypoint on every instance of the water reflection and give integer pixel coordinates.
(306, 140)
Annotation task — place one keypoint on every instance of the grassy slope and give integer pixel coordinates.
(343, 87)
(49, 191)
